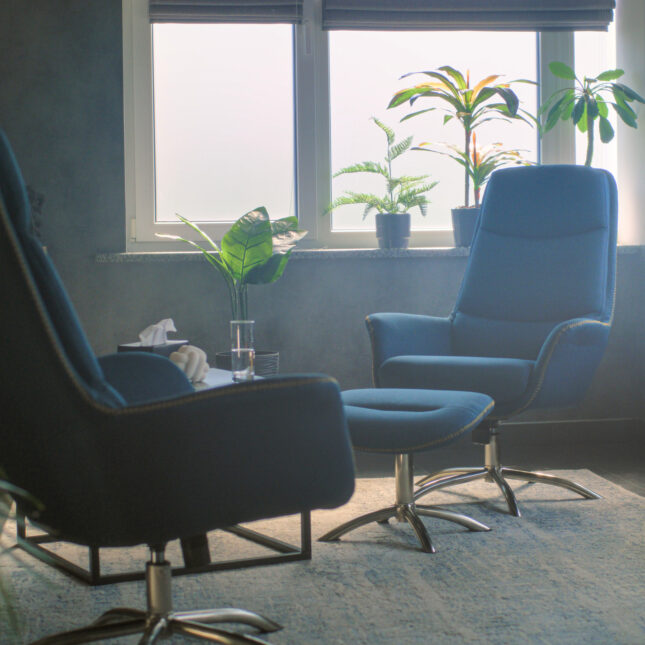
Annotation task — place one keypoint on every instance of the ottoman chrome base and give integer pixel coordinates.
(406, 510)
(493, 471)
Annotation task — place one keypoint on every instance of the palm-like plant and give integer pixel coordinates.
(588, 101)
(471, 106)
(402, 193)
(480, 163)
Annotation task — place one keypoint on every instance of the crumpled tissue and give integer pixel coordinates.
(192, 361)
(157, 334)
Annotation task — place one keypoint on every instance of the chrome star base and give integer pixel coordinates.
(406, 510)
(493, 471)
(159, 621)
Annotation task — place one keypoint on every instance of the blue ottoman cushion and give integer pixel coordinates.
(408, 420)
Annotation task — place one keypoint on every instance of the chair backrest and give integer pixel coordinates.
(39, 280)
(544, 252)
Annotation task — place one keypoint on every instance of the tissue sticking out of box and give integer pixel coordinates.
(157, 334)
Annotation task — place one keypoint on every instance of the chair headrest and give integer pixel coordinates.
(547, 201)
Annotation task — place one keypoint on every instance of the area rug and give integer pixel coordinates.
(569, 571)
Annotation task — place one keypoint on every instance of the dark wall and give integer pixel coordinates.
(61, 106)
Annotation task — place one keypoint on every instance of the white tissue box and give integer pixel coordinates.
(165, 349)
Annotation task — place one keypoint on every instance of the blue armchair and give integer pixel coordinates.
(532, 317)
(122, 451)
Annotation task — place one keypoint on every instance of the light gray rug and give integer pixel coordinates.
(569, 571)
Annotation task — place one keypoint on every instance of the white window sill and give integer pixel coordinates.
(316, 254)
(297, 254)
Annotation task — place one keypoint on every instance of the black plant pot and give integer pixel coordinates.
(464, 221)
(266, 362)
(393, 230)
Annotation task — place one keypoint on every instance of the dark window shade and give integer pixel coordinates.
(468, 15)
(234, 11)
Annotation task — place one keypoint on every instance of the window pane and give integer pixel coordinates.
(223, 114)
(364, 72)
(595, 52)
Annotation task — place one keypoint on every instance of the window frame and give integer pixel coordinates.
(312, 135)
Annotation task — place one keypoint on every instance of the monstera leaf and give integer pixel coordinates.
(254, 250)
(257, 250)
(248, 243)
(284, 236)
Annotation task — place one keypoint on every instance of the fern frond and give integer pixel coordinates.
(389, 133)
(363, 166)
(399, 148)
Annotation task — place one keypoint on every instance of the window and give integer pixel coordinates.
(365, 67)
(290, 105)
(595, 52)
(223, 134)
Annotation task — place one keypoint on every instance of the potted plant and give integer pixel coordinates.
(479, 166)
(472, 106)
(402, 194)
(588, 101)
(255, 250)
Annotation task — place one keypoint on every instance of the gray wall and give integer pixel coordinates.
(61, 106)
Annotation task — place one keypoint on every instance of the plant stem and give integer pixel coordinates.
(467, 181)
(232, 295)
(389, 172)
(590, 124)
(239, 304)
(244, 303)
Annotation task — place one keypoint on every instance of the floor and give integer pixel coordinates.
(615, 451)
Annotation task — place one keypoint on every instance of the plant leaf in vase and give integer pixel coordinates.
(254, 250)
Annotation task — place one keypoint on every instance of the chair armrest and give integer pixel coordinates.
(236, 453)
(141, 377)
(394, 334)
(567, 362)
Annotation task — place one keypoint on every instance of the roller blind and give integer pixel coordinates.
(491, 15)
(235, 11)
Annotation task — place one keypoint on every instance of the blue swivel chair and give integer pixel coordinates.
(122, 451)
(532, 317)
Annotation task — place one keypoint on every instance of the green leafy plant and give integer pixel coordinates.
(471, 106)
(480, 163)
(254, 250)
(402, 193)
(588, 101)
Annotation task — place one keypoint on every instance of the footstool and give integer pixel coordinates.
(402, 422)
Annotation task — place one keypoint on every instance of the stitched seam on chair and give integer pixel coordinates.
(207, 394)
(437, 442)
(370, 331)
(540, 382)
(518, 321)
(260, 386)
(33, 292)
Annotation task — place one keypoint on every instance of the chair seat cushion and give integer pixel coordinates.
(503, 379)
(404, 420)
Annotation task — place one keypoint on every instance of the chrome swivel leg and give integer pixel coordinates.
(405, 510)
(545, 478)
(159, 621)
(493, 471)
